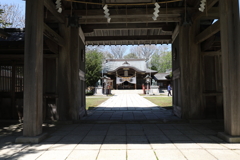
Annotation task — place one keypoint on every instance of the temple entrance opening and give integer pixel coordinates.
(205, 70)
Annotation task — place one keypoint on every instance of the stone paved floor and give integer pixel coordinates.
(129, 107)
(123, 142)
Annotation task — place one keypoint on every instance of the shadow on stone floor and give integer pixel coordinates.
(154, 113)
(65, 138)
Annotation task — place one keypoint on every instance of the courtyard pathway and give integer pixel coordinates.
(121, 142)
(128, 139)
(130, 107)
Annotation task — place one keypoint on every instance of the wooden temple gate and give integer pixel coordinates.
(206, 64)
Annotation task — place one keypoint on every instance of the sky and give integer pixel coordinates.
(21, 3)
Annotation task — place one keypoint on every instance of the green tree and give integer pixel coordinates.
(1, 12)
(131, 56)
(161, 61)
(3, 23)
(94, 60)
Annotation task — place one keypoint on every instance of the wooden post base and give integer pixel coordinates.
(35, 139)
(228, 138)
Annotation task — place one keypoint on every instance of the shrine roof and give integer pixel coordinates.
(139, 65)
(161, 76)
(13, 34)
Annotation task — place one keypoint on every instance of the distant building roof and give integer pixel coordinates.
(138, 64)
(168, 71)
(161, 76)
(3, 34)
(13, 34)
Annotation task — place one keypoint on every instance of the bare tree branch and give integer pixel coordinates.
(117, 51)
(144, 51)
(13, 14)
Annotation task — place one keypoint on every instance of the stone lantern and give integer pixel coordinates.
(105, 80)
(148, 81)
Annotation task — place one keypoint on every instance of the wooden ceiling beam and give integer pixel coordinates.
(207, 33)
(175, 33)
(52, 46)
(90, 27)
(22, 56)
(52, 35)
(129, 20)
(128, 38)
(130, 11)
(207, 44)
(212, 53)
(124, 29)
(211, 14)
(52, 8)
(127, 1)
(135, 42)
(129, 16)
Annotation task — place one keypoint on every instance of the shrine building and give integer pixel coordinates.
(127, 73)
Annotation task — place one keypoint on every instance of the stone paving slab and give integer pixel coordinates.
(136, 141)
(115, 145)
(224, 154)
(55, 155)
(29, 155)
(231, 145)
(168, 154)
(8, 151)
(43, 146)
(138, 146)
(88, 146)
(112, 154)
(211, 145)
(163, 145)
(187, 145)
(129, 107)
(197, 154)
(139, 154)
(83, 155)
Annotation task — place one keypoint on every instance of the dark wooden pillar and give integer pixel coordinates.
(71, 65)
(64, 75)
(190, 65)
(75, 79)
(84, 82)
(82, 98)
(82, 111)
(230, 40)
(184, 69)
(136, 80)
(116, 81)
(33, 69)
(195, 89)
